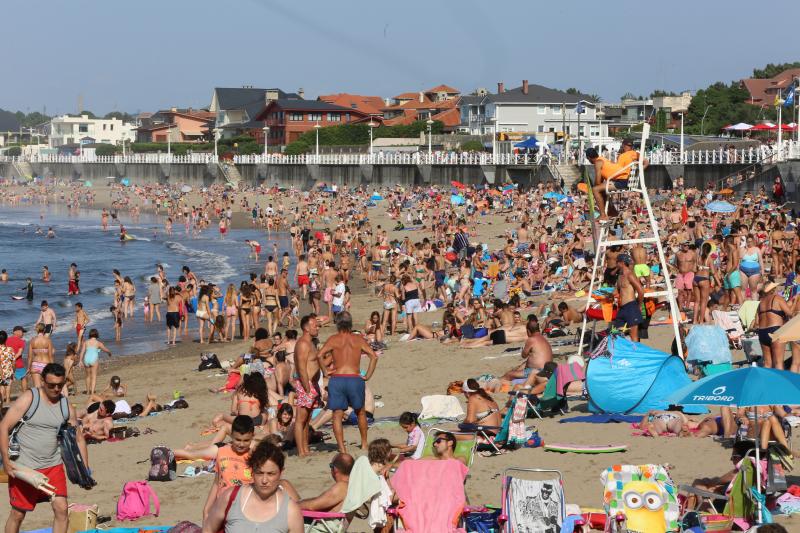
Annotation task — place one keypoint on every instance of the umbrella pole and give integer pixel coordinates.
(758, 467)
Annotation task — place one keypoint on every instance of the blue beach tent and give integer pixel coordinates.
(631, 378)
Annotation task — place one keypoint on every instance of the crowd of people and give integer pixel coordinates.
(523, 286)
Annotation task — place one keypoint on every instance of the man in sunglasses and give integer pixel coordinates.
(38, 449)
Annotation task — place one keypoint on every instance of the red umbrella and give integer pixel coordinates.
(787, 127)
(764, 127)
(458, 184)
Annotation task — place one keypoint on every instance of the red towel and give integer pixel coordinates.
(567, 373)
(431, 494)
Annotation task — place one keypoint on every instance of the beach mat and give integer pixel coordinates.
(603, 419)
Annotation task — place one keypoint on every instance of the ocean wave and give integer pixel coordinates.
(214, 267)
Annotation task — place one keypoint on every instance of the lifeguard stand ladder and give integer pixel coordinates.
(636, 185)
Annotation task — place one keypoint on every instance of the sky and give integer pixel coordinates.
(154, 54)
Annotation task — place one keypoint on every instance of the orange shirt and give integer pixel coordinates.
(231, 468)
(624, 160)
(609, 169)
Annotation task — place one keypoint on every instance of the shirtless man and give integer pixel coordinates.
(332, 499)
(346, 385)
(687, 263)
(566, 316)
(81, 321)
(305, 382)
(47, 317)
(97, 424)
(302, 275)
(631, 296)
(640, 266)
(503, 315)
(375, 266)
(282, 287)
(536, 352)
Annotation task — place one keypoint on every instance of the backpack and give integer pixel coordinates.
(208, 361)
(77, 471)
(134, 502)
(162, 465)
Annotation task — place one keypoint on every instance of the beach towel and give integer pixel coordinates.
(645, 494)
(440, 406)
(535, 505)
(566, 373)
(517, 434)
(431, 494)
(379, 504)
(363, 486)
(604, 418)
(747, 312)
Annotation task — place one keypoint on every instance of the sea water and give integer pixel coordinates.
(79, 238)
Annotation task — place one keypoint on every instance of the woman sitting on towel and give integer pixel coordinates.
(481, 408)
(250, 399)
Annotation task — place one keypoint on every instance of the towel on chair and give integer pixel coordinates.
(363, 486)
(431, 494)
(566, 373)
(440, 406)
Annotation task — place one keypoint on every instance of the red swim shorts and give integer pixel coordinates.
(24, 497)
(308, 400)
(302, 279)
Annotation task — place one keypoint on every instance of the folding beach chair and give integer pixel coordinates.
(551, 401)
(532, 504)
(732, 324)
(640, 498)
(493, 439)
(431, 495)
(466, 443)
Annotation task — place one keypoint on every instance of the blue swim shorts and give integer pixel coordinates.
(345, 390)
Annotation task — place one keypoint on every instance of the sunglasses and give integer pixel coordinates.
(54, 385)
(440, 439)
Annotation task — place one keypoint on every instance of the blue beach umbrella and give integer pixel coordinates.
(376, 197)
(720, 206)
(125, 181)
(750, 386)
(530, 142)
(457, 199)
(553, 195)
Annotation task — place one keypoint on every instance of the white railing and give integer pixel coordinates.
(746, 156)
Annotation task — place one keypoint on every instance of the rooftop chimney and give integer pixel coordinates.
(301, 93)
(524, 86)
(421, 97)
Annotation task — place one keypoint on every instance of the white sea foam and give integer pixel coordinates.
(215, 267)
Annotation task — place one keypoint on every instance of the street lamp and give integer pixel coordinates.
(493, 120)
(681, 138)
(316, 131)
(703, 120)
(371, 125)
(216, 132)
(430, 129)
(266, 139)
(779, 103)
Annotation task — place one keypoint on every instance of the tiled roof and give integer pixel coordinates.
(409, 117)
(443, 89)
(536, 94)
(763, 90)
(450, 117)
(406, 96)
(239, 97)
(366, 104)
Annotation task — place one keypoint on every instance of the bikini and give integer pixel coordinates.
(764, 333)
(749, 264)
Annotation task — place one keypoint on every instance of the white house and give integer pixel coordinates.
(532, 109)
(84, 130)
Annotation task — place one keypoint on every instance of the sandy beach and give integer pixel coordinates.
(405, 373)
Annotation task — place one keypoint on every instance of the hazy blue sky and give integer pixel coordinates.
(149, 54)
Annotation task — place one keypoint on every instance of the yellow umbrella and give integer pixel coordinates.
(788, 332)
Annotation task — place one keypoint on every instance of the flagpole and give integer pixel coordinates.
(780, 130)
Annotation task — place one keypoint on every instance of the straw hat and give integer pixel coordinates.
(770, 286)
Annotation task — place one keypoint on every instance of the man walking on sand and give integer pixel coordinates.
(305, 382)
(346, 385)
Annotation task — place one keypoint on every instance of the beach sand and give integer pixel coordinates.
(405, 372)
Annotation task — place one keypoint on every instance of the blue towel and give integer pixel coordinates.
(568, 526)
(603, 419)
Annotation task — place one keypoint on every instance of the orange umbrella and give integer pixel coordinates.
(726, 191)
(583, 187)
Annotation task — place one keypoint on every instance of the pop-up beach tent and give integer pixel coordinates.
(631, 378)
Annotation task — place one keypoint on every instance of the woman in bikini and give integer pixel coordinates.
(770, 426)
(245, 304)
(272, 306)
(374, 328)
(40, 354)
(772, 314)
(231, 311)
(390, 297)
(481, 408)
(250, 399)
(129, 292)
(702, 284)
(203, 312)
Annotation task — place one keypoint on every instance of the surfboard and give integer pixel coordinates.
(17, 297)
(584, 448)
(128, 237)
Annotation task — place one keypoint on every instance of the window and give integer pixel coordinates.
(551, 129)
(111, 127)
(334, 117)
(594, 131)
(556, 109)
(83, 128)
(315, 117)
(347, 117)
(540, 128)
(104, 127)
(296, 117)
(541, 109)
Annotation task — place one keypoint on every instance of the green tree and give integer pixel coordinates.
(106, 149)
(472, 146)
(661, 92)
(357, 134)
(723, 104)
(661, 121)
(772, 70)
(124, 117)
(14, 151)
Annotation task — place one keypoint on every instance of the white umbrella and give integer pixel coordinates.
(186, 188)
(741, 126)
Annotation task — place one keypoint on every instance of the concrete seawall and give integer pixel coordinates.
(305, 176)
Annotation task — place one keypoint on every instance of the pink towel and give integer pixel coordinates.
(566, 374)
(431, 494)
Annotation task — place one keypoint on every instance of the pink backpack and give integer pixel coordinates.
(134, 502)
